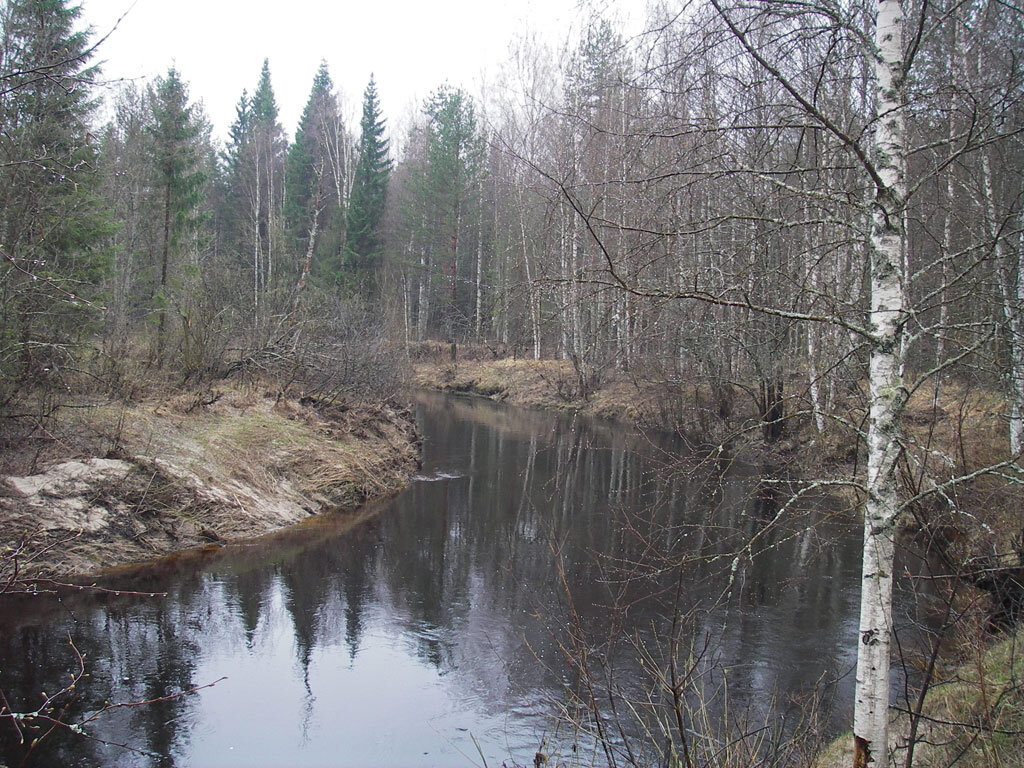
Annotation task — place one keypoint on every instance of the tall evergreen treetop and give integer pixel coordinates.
(264, 105)
(178, 151)
(318, 117)
(253, 192)
(178, 154)
(454, 149)
(45, 110)
(238, 133)
(369, 192)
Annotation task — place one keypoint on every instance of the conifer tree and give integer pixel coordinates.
(238, 134)
(254, 194)
(264, 103)
(51, 222)
(315, 178)
(365, 241)
(178, 157)
(454, 166)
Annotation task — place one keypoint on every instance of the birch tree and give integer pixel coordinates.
(314, 210)
(888, 395)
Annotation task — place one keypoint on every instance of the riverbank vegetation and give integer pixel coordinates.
(800, 227)
(172, 373)
(793, 221)
(200, 468)
(973, 718)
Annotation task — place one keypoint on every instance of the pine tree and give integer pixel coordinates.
(364, 245)
(454, 166)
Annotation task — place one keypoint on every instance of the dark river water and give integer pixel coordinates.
(449, 627)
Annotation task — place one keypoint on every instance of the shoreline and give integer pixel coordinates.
(167, 478)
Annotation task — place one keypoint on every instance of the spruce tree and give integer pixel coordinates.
(254, 192)
(314, 177)
(365, 242)
(178, 160)
(238, 134)
(51, 221)
(264, 104)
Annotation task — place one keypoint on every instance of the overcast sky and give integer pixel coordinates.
(411, 46)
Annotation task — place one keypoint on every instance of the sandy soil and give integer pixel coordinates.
(177, 475)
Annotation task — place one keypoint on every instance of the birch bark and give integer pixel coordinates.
(887, 393)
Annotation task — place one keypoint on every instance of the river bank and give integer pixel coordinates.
(201, 468)
(957, 431)
(972, 709)
(962, 424)
(974, 718)
(548, 384)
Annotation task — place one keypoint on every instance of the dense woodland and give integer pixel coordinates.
(693, 204)
(815, 208)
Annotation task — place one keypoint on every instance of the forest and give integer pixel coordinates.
(785, 218)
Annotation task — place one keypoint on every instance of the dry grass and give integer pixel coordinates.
(973, 720)
(976, 719)
(548, 384)
(219, 465)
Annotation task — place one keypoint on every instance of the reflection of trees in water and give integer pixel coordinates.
(135, 650)
(360, 553)
(468, 572)
(249, 590)
(625, 531)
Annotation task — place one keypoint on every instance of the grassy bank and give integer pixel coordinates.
(167, 473)
(549, 384)
(972, 717)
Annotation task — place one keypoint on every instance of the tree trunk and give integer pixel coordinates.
(454, 310)
(1006, 266)
(887, 396)
(530, 287)
(162, 327)
(423, 303)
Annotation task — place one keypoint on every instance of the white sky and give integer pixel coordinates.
(411, 46)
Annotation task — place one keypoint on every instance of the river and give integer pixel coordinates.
(440, 630)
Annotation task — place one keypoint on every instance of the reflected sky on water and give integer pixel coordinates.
(436, 627)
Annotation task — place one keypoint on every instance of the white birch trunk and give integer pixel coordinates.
(405, 310)
(1017, 327)
(256, 262)
(1007, 266)
(563, 291)
(812, 332)
(887, 396)
(314, 231)
(478, 314)
(531, 289)
(423, 305)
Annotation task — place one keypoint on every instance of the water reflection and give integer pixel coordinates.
(439, 624)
